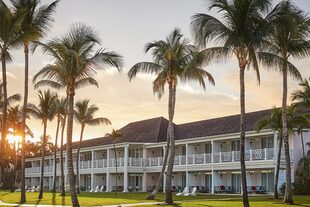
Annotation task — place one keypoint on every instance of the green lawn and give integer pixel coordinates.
(93, 199)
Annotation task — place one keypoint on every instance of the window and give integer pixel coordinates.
(208, 148)
(267, 142)
(235, 145)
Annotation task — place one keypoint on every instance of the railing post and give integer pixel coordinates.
(251, 158)
(212, 152)
(180, 160)
(194, 159)
(233, 156)
(158, 161)
(265, 150)
(204, 158)
(220, 160)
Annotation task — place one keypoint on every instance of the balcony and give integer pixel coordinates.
(180, 160)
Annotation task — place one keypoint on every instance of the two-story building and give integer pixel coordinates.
(207, 155)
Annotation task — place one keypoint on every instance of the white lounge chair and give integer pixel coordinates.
(185, 191)
(193, 193)
(101, 188)
(97, 189)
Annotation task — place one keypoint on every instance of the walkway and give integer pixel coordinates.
(41, 205)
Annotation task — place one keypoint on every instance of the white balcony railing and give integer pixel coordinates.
(194, 159)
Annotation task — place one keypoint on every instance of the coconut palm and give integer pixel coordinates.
(10, 38)
(75, 65)
(302, 96)
(45, 112)
(240, 32)
(115, 136)
(175, 60)
(60, 110)
(274, 122)
(288, 40)
(84, 115)
(36, 22)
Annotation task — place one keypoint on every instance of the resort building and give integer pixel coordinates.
(207, 155)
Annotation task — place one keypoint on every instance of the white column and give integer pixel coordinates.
(107, 179)
(186, 153)
(164, 184)
(125, 168)
(187, 178)
(144, 182)
(92, 170)
(212, 180)
(212, 150)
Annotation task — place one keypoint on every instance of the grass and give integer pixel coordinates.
(95, 199)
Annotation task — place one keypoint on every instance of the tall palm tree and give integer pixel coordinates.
(274, 122)
(290, 39)
(75, 65)
(10, 38)
(240, 32)
(174, 60)
(84, 115)
(60, 110)
(36, 22)
(115, 135)
(302, 96)
(45, 112)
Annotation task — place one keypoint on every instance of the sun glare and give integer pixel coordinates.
(12, 138)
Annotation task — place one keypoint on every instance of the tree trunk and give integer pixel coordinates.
(78, 161)
(13, 186)
(74, 199)
(62, 171)
(115, 157)
(288, 197)
(55, 154)
(162, 173)
(170, 132)
(23, 190)
(276, 178)
(4, 114)
(242, 139)
(42, 160)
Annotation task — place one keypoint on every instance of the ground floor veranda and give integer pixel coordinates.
(216, 181)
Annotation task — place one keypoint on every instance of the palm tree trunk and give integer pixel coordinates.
(288, 197)
(162, 173)
(15, 166)
(74, 199)
(115, 157)
(242, 139)
(42, 160)
(23, 190)
(78, 161)
(62, 171)
(276, 177)
(4, 114)
(170, 132)
(55, 155)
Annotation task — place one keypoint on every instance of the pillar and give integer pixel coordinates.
(125, 168)
(187, 178)
(212, 181)
(144, 182)
(92, 176)
(108, 173)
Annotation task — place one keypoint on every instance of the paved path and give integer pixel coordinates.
(41, 205)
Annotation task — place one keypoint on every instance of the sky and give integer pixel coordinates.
(125, 27)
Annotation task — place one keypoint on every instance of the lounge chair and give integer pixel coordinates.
(260, 190)
(97, 189)
(185, 191)
(193, 193)
(102, 189)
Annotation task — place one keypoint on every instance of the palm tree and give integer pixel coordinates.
(288, 40)
(174, 60)
(240, 32)
(115, 135)
(74, 67)
(274, 122)
(36, 22)
(44, 112)
(10, 38)
(60, 110)
(302, 96)
(84, 115)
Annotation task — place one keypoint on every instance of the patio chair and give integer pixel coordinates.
(102, 189)
(185, 191)
(193, 193)
(260, 190)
